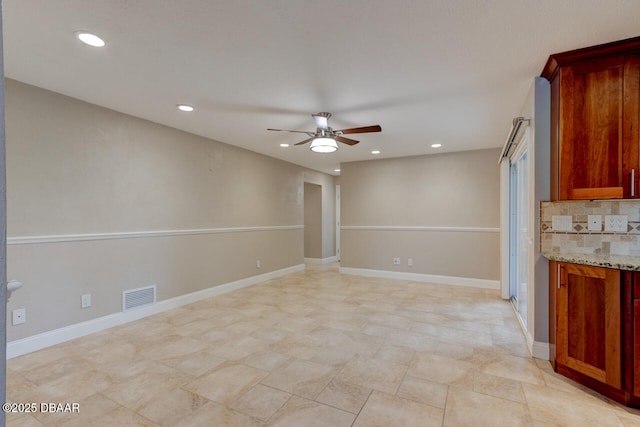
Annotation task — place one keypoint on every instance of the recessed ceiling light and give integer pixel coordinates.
(185, 107)
(436, 145)
(284, 145)
(89, 38)
(375, 152)
(336, 170)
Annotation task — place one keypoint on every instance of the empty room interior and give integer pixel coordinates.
(320, 213)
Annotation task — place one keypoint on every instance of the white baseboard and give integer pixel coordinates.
(540, 350)
(527, 336)
(537, 349)
(57, 336)
(430, 278)
(328, 260)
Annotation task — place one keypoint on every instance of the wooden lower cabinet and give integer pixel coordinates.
(589, 332)
(597, 328)
(636, 347)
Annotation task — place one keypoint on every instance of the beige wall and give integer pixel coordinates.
(77, 171)
(55, 275)
(440, 210)
(78, 168)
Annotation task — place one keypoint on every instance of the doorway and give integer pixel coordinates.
(312, 222)
(338, 222)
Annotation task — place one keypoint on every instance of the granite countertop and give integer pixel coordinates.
(619, 262)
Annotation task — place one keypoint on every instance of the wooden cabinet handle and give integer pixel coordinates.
(633, 183)
(559, 276)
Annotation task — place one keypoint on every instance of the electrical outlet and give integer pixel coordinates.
(615, 223)
(258, 263)
(396, 261)
(594, 223)
(410, 262)
(86, 301)
(19, 316)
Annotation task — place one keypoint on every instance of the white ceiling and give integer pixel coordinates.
(448, 71)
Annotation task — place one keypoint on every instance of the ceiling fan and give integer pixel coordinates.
(324, 138)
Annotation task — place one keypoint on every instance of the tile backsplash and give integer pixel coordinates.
(581, 240)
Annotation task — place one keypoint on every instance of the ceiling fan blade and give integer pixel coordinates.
(347, 141)
(364, 129)
(287, 130)
(322, 121)
(305, 141)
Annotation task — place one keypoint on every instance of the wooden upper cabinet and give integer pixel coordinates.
(595, 116)
(595, 135)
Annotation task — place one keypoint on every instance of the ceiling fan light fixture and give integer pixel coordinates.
(324, 145)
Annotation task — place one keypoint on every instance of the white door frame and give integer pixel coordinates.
(505, 175)
(524, 245)
(524, 142)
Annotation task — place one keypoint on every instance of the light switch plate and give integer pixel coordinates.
(562, 223)
(85, 301)
(594, 223)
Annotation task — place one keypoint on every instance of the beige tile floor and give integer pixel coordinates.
(314, 348)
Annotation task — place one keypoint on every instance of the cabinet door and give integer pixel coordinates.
(599, 128)
(636, 346)
(589, 322)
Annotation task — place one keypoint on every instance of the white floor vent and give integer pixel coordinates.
(135, 298)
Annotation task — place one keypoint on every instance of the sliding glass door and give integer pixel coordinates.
(519, 229)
